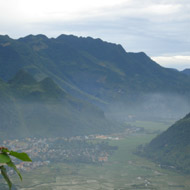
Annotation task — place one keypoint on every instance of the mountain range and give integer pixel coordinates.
(99, 72)
(88, 66)
(73, 80)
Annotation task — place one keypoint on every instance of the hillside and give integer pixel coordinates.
(99, 72)
(172, 147)
(186, 71)
(42, 109)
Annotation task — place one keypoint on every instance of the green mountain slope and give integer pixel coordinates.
(96, 71)
(172, 147)
(42, 109)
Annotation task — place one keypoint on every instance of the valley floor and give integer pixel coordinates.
(123, 171)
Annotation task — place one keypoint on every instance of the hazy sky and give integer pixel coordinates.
(160, 28)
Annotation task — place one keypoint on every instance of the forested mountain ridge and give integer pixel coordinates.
(40, 108)
(99, 72)
(88, 67)
(172, 147)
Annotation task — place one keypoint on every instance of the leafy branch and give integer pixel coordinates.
(5, 159)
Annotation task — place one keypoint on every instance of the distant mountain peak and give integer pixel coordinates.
(33, 37)
(186, 71)
(22, 78)
(187, 116)
(51, 87)
(48, 83)
(4, 39)
(86, 42)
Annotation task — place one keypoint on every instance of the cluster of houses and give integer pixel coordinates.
(43, 151)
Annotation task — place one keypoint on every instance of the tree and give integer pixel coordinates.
(5, 159)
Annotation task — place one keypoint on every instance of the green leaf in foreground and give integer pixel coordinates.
(6, 177)
(22, 156)
(4, 158)
(12, 165)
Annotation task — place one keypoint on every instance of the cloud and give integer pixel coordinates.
(62, 10)
(180, 62)
(43, 10)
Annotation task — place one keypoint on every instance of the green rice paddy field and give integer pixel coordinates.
(123, 171)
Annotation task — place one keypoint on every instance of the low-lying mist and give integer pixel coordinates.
(50, 119)
(153, 106)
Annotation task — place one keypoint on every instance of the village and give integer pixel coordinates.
(44, 151)
(91, 149)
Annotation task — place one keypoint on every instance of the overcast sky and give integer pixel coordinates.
(160, 28)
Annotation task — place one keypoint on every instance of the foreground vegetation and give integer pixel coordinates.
(5, 159)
